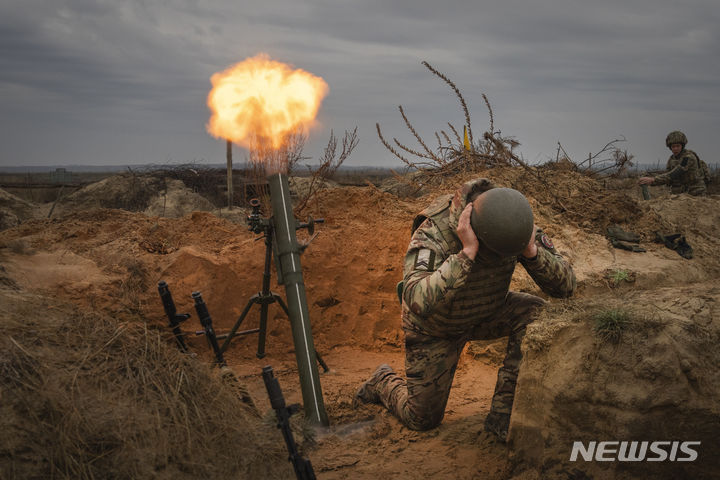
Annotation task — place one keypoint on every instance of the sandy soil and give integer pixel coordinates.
(111, 261)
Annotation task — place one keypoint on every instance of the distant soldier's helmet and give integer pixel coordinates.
(502, 219)
(676, 137)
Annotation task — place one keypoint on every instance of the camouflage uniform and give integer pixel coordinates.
(449, 299)
(684, 174)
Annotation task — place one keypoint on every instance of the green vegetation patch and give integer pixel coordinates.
(619, 276)
(610, 324)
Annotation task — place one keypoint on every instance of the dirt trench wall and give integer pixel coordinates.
(14, 210)
(659, 382)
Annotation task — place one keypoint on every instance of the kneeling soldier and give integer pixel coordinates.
(457, 274)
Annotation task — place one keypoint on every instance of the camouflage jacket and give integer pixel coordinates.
(445, 293)
(684, 174)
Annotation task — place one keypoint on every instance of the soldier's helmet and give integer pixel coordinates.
(502, 219)
(676, 137)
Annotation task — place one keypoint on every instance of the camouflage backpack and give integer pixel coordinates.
(703, 167)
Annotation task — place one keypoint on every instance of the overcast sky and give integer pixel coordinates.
(101, 82)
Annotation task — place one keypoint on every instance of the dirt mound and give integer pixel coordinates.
(109, 261)
(301, 186)
(351, 268)
(85, 396)
(574, 199)
(556, 194)
(125, 255)
(604, 371)
(124, 191)
(154, 195)
(176, 200)
(692, 216)
(14, 210)
(410, 185)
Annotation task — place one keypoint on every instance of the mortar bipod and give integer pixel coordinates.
(265, 297)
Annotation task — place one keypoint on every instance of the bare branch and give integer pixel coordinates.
(608, 146)
(445, 135)
(490, 112)
(294, 145)
(414, 152)
(389, 147)
(454, 157)
(415, 134)
(460, 97)
(560, 148)
(457, 135)
(329, 163)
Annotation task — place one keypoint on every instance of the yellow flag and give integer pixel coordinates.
(466, 142)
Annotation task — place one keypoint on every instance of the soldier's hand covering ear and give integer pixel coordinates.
(465, 233)
(531, 249)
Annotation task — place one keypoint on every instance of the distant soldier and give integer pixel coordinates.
(457, 272)
(685, 171)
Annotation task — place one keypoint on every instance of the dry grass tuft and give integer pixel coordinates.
(552, 319)
(87, 397)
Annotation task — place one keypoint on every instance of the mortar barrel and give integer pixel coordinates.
(288, 259)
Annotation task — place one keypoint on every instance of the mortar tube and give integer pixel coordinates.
(645, 192)
(288, 259)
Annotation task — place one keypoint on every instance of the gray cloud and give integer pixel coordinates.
(114, 82)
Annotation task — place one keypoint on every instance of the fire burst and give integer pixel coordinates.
(258, 103)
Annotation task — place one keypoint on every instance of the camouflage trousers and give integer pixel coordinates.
(419, 400)
(697, 190)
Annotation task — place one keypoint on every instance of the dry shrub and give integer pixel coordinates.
(458, 153)
(266, 160)
(86, 397)
(134, 284)
(455, 153)
(326, 169)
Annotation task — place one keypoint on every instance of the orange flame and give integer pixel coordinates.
(262, 101)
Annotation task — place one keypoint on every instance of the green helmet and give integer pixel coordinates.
(676, 137)
(502, 219)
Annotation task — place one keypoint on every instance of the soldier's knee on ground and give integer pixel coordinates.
(422, 421)
(423, 424)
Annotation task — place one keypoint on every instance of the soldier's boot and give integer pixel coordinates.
(675, 242)
(367, 393)
(498, 423)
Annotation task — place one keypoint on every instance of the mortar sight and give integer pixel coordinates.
(256, 223)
